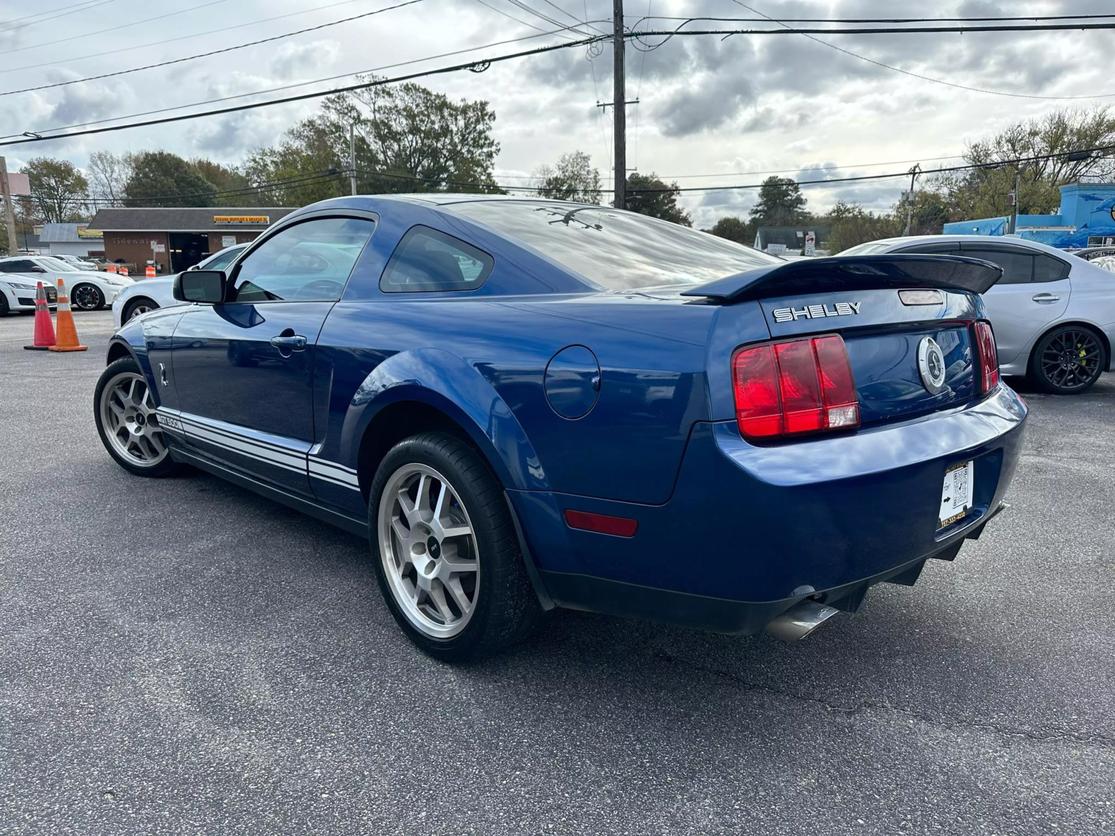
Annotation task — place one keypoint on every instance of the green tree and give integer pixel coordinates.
(407, 139)
(58, 189)
(780, 203)
(225, 178)
(571, 178)
(985, 191)
(851, 224)
(734, 229)
(108, 177)
(160, 178)
(648, 195)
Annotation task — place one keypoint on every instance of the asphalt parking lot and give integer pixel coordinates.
(180, 656)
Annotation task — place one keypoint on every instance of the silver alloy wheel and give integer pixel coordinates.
(130, 422)
(429, 550)
(139, 308)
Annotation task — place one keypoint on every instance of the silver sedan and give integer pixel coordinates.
(1053, 313)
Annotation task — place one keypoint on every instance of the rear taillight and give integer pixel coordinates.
(794, 387)
(988, 356)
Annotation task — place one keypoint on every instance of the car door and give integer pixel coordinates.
(243, 369)
(1032, 294)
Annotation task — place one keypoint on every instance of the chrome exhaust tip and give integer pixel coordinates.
(800, 620)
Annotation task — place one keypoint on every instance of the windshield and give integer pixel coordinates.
(59, 265)
(615, 250)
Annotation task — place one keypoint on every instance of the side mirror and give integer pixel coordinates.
(38, 269)
(204, 286)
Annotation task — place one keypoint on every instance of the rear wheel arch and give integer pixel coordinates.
(403, 419)
(1071, 323)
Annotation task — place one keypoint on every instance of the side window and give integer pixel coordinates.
(932, 249)
(1018, 267)
(221, 261)
(8, 267)
(428, 260)
(1049, 269)
(307, 262)
(21, 266)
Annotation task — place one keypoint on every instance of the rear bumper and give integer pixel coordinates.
(749, 531)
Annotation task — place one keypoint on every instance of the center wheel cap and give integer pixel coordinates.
(433, 547)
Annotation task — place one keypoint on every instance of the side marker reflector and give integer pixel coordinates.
(601, 523)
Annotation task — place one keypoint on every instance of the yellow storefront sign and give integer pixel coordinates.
(241, 219)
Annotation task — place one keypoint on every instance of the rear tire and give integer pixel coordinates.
(126, 421)
(87, 297)
(1068, 360)
(4, 307)
(445, 550)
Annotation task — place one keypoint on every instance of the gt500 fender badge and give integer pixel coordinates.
(816, 311)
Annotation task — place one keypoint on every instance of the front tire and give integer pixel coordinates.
(127, 423)
(1068, 360)
(136, 307)
(87, 297)
(445, 550)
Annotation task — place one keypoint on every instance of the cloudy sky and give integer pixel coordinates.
(712, 111)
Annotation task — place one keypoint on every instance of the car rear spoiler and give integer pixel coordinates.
(860, 272)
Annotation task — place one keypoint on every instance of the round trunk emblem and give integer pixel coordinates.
(931, 365)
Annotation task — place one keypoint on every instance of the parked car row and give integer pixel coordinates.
(89, 290)
(152, 294)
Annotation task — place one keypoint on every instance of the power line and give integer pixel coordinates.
(221, 51)
(510, 16)
(1099, 150)
(52, 14)
(256, 22)
(268, 186)
(573, 17)
(283, 87)
(878, 20)
(115, 28)
(36, 137)
(920, 76)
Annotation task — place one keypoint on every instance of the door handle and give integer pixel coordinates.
(288, 342)
(1046, 297)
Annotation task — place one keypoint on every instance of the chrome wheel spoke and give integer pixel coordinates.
(428, 550)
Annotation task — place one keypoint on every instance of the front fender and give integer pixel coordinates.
(444, 381)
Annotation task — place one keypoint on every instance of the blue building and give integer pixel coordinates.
(1086, 219)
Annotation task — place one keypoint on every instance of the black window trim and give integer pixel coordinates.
(466, 245)
(349, 215)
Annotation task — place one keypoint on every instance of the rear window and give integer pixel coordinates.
(1018, 267)
(615, 250)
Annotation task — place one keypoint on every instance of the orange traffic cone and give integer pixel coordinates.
(110, 268)
(122, 270)
(44, 327)
(150, 271)
(67, 331)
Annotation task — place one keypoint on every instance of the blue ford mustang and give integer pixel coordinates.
(527, 403)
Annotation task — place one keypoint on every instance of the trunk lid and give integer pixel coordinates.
(884, 312)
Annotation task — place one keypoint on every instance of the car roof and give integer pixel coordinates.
(970, 239)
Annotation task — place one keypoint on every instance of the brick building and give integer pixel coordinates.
(175, 239)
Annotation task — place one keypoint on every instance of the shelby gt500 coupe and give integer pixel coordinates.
(525, 404)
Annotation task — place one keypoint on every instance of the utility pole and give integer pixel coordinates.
(914, 172)
(9, 207)
(352, 156)
(619, 105)
(1014, 199)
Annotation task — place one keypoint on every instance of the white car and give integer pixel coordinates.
(88, 289)
(148, 294)
(79, 263)
(1053, 313)
(18, 294)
